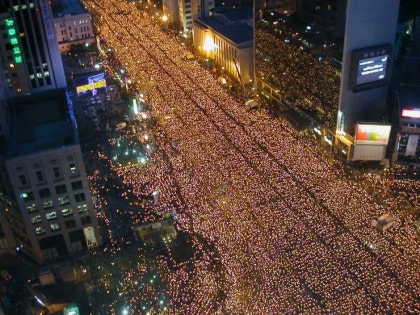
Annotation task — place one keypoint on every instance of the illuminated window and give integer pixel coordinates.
(51, 215)
(27, 196)
(65, 200)
(82, 208)
(67, 212)
(47, 204)
(39, 230)
(72, 168)
(32, 208)
(36, 219)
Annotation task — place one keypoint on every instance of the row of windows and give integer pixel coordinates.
(62, 25)
(59, 189)
(48, 204)
(69, 224)
(53, 214)
(65, 212)
(40, 173)
(83, 36)
(83, 29)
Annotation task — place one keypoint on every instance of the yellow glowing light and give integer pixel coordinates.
(208, 43)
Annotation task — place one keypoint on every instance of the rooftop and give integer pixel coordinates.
(42, 122)
(234, 14)
(67, 7)
(236, 33)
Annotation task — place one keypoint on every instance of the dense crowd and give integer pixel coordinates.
(306, 82)
(292, 232)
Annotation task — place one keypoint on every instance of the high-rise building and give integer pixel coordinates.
(45, 201)
(330, 63)
(183, 12)
(46, 208)
(30, 56)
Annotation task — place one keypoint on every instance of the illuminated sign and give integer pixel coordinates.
(13, 40)
(372, 134)
(92, 83)
(410, 113)
(369, 67)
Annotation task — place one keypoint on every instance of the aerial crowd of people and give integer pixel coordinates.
(306, 82)
(277, 228)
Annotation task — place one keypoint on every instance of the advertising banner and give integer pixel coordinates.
(372, 134)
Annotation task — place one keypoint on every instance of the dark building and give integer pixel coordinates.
(28, 46)
(46, 208)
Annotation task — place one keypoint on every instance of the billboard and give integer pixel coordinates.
(370, 67)
(372, 134)
(90, 85)
(410, 113)
(368, 152)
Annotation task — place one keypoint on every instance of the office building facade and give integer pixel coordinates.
(46, 197)
(72, 24)
(31, 58)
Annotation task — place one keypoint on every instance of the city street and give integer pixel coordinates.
(276, 227)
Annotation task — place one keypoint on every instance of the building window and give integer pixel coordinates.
(77, 185)
(27, 196)
(51, 215)
(39, 230)
(44, 193)
(67, 212)
(23, 180)
(39, 176)
(56, 172)
(85, 220)
(65, 200)
(82, 208)
(60, 189)
(32, 208)
(36, 219)
(47, 204)
(70, 224)
(54, 227)
(73, 168)
(79, 197)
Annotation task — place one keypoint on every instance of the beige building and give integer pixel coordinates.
(226, 37)
(72, 24)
